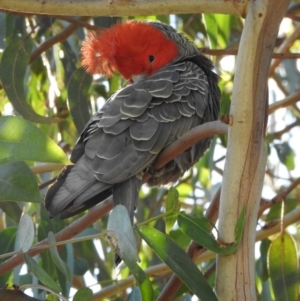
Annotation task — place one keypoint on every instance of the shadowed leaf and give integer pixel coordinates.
(13, 66)
(78, 87)
(18, 183)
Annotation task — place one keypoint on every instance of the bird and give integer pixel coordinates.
(171, 88)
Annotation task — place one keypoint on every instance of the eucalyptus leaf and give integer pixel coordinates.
(39, 273)
(284, 268)
(120, 234)
(78, 87)
(13, 66)
(199, 229)
(83, 294)
(172, 207)
(179, 262)
(18, 183)
(21, 140)
(25, 234)
(56, 258)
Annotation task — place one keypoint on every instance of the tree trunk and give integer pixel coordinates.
(246, 154)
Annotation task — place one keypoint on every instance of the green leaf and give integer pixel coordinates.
(285, 154)
(13, 66)
(223, 25)
(39, 273)
(199, 229)
(25, 234)
(78, 88)
(56, 258)
(178, 261)
(83, 294)
(11, 209)
(142, 279)
(21, 140)
(275, 210)
(18, 183)
(81, 266)
(211, 29)
(262, 262)
(284, 268)
(172, 207)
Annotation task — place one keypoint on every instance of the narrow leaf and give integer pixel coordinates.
(25, 232)
(13, 66)
(142, 280)
(211, 29)
(39, 273)
(21, 140)
(199, 229)
(78, 87)
(18, 183)
(179, 262)
(172, 207)
(83, 294)
(56, 258)
(284, 268)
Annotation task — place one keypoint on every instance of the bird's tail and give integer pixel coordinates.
(75, 190)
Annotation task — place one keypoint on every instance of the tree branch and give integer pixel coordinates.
(99, 211)
(246, 156)
(223, 52)
(284, 47)
(63, 35)
(278, 198)
(290, 100)
(124, 8)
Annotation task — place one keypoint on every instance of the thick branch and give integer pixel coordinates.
(124, 8)
(246, 156)
(223, 52)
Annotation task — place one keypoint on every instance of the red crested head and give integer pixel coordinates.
(131, 48)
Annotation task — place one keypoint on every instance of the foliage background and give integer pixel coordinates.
(54, 86)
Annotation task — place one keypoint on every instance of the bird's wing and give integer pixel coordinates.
(142, 119)
(125, 136)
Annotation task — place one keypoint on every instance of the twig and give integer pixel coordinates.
(63, 35)
(278, 198)
(277, 135)
(291, 99)
(285, 46)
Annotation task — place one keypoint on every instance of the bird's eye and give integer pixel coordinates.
(151, 58)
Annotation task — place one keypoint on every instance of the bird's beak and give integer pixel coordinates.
(138, 77)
